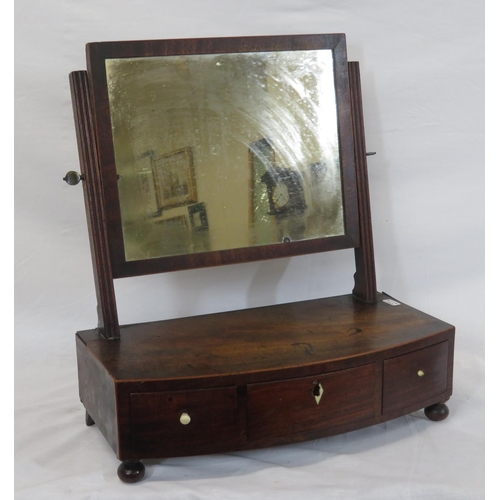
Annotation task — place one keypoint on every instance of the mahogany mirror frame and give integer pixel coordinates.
(97, 53)
(97, 160)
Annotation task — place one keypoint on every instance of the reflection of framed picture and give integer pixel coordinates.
(147, 190)
(198, 216)
(179, 222)
(318, 172)
(174, 179)
(262, 159)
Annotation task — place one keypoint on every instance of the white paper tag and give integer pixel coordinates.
(391, 302)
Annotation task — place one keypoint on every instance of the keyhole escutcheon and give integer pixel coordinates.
(318, 392)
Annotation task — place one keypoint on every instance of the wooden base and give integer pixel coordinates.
(262, 377)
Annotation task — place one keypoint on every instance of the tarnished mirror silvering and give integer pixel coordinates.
(225, 151)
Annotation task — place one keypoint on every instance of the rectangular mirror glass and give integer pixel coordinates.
(223, 151)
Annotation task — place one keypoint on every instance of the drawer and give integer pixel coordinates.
(415, 377)
(177, 423)
(310, 404)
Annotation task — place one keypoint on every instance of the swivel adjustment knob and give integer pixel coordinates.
(73, 178)
(185, 419)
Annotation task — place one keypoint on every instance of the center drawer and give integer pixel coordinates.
(310, 404)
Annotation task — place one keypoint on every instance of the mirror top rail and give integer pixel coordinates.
(97, 51)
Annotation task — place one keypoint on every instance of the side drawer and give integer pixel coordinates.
(414, 377)
(292, 406)
(179, 423)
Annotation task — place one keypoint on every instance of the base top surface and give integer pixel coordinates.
(308, 334)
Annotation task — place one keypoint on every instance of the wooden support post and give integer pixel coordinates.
(365, 286)
(107, 314)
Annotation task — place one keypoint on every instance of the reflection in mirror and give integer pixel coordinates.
(224, 151)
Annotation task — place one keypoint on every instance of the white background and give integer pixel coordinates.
(422, 68)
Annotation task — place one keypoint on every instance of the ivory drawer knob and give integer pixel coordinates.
(420, 373)
(185, 419)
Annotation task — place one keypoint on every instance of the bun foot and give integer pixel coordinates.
(88, 419)
(131, 472)
(437, 412)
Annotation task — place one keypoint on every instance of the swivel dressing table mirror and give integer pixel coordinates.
(205, 152)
